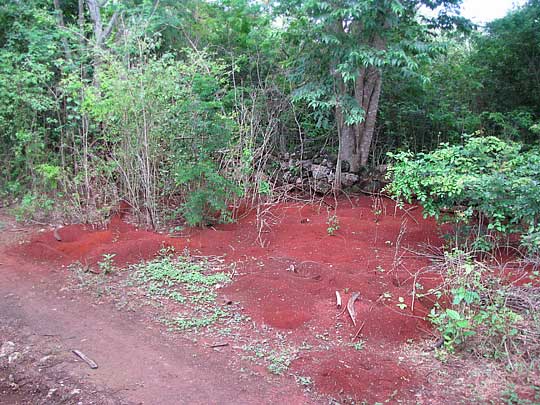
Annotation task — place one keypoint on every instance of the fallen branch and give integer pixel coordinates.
(359, 330)
(438, 343)
(219, 345)
(350, 306)
(91, 363)
(341, 312)
(338, 299)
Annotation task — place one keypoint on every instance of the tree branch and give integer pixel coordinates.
(110, 26)
(95, 15)
(60, 21)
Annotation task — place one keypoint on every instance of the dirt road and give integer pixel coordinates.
(137, 364)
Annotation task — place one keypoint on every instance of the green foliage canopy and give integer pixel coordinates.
(496, 179)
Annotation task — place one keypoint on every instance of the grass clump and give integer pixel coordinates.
(188, 283)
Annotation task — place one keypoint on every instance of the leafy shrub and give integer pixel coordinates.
(209, 191)
(50, 174)
(33, 206)
(165, 128)
(485, 182)
(482, 311)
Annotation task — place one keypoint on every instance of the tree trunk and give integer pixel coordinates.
(355, 140)
(371, 93)
(348, 147)
(101, 32)
(62, 26)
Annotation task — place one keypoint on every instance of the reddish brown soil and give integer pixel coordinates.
(290, 283)
(138, 363)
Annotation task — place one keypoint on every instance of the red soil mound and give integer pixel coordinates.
(367, 377)
(291, 282)
(87, 245)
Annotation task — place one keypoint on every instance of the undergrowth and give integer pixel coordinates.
(481, 309)
(189, 283)
(487, 188)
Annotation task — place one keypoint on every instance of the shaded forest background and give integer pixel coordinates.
(179, 108)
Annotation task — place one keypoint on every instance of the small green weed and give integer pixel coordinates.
(511, 397)
(182, 322)
(184, 281)
(360, 345)
(280, 361)
(332, 224)
(303, 380)
(401, 303)
(106, 266)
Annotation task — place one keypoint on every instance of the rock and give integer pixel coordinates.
(51, 393)
(287, 176)
(306, 164)
(45, 359)
(331, 177)
(320, 172)
(13, 357)
(381, 169)
(75, 392)
(372, 185)
(7, 348)
(321, 186)
(349, 179)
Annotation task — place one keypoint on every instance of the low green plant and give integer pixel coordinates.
(303, 380)
(332, 224)
(511, 397)
(477, 312)
(280, 361)
(33, 206)
(360, 345)
(106, 265)
(401, 303)
(183, 322)
(187, 282)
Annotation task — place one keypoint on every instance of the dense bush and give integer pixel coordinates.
(164, 126)
(29, 55)
(486, 182)
(482, 310)
(489, 189)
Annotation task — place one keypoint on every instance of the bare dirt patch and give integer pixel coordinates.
(279, 323)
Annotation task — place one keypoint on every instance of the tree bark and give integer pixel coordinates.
(62, 26)
(370, 103)
(101, 33)
(355, 140)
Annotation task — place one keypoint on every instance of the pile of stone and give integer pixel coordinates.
(319, 175)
